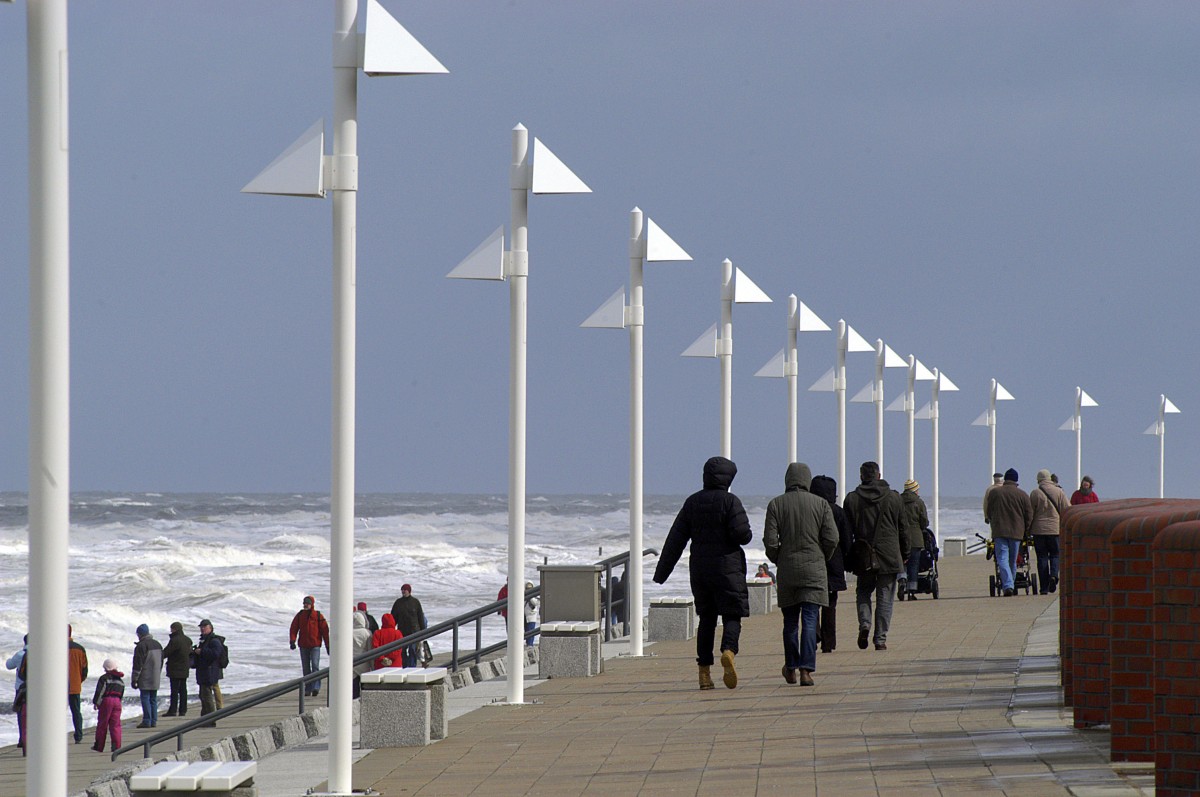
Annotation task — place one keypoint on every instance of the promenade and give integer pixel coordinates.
(964, 701)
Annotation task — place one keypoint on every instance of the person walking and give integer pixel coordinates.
(714, 521)
(997, 482)
(17, 662)
(800, 536)
(1085, 494)
(110, 690)
(410, 618)
(874, 512)
(387, 634)
(208, 655)
(310, 627)
(915, 519)
(1048, 502)
(77, 673)
(362, 635)
(178, 654)
(835, 567)
(1010, 514)
(146, 674)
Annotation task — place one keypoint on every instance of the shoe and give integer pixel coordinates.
(1008, 592)
(80, 739)
(789, 674)
(98, 749)
(912, 596)
(827, 650)
(806, 678)
(1053, 583)
(881, 646)
(706, 681)
(143, 725)
(863, 633)
(730, 677)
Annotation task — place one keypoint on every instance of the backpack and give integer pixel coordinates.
(224, 661)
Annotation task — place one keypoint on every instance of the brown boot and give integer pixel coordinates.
(706, 681)
(806, 678)
(730, 673)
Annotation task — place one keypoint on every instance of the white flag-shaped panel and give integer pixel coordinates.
(660, 246)
(856, 342)
(944, 383)
(1085, 400)
(486, 262)
(1002, 394)
(745, 291)
(611, 314)
(1154, 428)
(807, 320)
(925, 413)
(1168, 406)
(298, 171)
(1068, 425)
(891, 359)
(389, 49)
(774, 368)
(898, 404)
(982, 420)
(825, 384)
(866, 395)
(923, 374)
(705, 345)
(551, 175)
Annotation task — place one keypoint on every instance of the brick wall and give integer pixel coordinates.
(1176, 552)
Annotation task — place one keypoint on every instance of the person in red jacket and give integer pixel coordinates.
(387, 633)
(310, 628)
(1085, 494)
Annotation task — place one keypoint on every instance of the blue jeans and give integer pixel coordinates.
(310, 660)
(914, 567)
(1006, 558)
(883, 588)
(529, 640)
(802, 653)
(1046, 546)
(150, 707)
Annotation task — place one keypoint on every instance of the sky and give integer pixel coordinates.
(1007, 191)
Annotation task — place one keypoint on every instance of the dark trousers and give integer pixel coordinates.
(178, 697)
(914, 567)
(707, 631)
(76, 715)
(1046, 546)
(828, 634)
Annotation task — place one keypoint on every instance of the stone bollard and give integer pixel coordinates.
(402, 707)
(762, 595)
(672, 619)
(570, 650)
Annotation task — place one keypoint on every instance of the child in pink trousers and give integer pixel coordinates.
(109, 691)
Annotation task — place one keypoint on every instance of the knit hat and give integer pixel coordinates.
(404, 587)
(1043, 475)
(911, 486)
(176, 627)
(997, 477)
(362, 606)
(109, 665)
(143, 630)
(1010, 475)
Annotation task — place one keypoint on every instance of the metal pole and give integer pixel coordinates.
(933, 415)
(877, 398)
(341, 498)
(518, 276)
(1162, 442)
(633, 573)
(839, 388)
(910, 401)
(790, 369)
(725, 354)
(1078, 436)
(991, 417)
(49, 394)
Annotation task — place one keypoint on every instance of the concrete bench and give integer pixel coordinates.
(570, 649)
(954, 546)
(402, 707)
(762, 595)
(234, 778)
(672, 618)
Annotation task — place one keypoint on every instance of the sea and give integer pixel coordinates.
(246, 561)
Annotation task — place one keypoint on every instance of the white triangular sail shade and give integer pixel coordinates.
(486, 262)
(1154, 429)
(389, 49)
(898, 404)
(925, 413)
(855, 341)
(891, 359)
(1085, 400)
(745, 291)
(660, 246)
(705, 345)
(808, 321)
(825, 384)
(866, 395)
(982, 420)
(1002, 394)
(774, 367)
(610, 315)
(551, 175)
(298, 171)
(1068, 425)
(944, 383)
(1168, 406)
(923, 374)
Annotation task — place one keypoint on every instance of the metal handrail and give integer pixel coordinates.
(452, 625)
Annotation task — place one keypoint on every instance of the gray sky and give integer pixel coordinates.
(1005, 190)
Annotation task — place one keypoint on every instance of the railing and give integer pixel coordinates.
(457, 658)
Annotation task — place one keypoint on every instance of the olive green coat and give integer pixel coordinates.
(914, 520)
(799, 536)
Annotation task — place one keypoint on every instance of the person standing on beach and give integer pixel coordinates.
(77, 672)
(874, 512)
(178, 654)
(1011, 516)
(915, 520)
(110, 689)
(800, 536)
(714, 521)
(310, 627)
(146, 674)
(1048, 503)
(410, 618)
(835, 567)
(1085, 494)
(207, 655)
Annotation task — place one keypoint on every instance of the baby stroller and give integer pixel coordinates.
(1023, 577)
(927, 570)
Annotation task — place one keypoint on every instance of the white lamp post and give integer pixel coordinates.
(385, 48)
(835, 381)
(737, 288)
(906, 402)
(988, 418)
(785, 364)
(930, 411)
(873, 393)
(1159, 428)
(649, 244)
(1075, 424)
(546, 174)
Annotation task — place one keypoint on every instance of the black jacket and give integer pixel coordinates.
(715, 523)
(178, 654)
(874, 510)
(835, 567)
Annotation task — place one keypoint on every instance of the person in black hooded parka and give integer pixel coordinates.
(715, 523)
(835, 567)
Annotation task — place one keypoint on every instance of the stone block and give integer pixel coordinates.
(395, 718)
(672, 619)
(954, 546)
(762, 596)
(573, 653)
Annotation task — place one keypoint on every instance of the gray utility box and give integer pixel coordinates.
(571, 592)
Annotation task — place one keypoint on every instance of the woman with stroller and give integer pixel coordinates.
(914, 519)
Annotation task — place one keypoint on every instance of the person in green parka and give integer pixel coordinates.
(914, 520)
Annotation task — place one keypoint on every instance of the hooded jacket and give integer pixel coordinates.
(77, 667)
(799, 536)
(1010, 514)
(1048, 502)
(874, 510)
(915, 520)
(387, 633)
(147, 664)
(835, 568)
(310, 628)
(178, 652)
(362, 641)
(714, 521)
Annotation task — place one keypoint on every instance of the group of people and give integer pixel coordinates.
(813, 542)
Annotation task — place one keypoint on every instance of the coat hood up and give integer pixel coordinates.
(719, 473)
(360, 619)
(825, 487)
(387, 621)
(798, 477)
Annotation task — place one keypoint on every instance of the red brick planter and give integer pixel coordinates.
(1176, 552)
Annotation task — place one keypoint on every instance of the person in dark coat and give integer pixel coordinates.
(177, 654)
(874, 510)
(915, 520)
(835, 567)
(410, 618)
(206, 656)
(714, 521)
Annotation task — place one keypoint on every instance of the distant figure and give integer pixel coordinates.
(77, 672)
(503, 595)
(387, 634)
(531, 613)
(874, 512)
(915, 520)
(799, 536)
(410, 618)
(835, 566)
(372, 623)
(208, 654)
(1048, 503)
(310, 627)
(1085, 494)
(1011, 517)
(714, 521)
(618, 600)
(17, 662)
(362, 635)
(1054, 478)
(997, 481)
(146, 675)
(764, 572)
(178, 654)
(110, 689)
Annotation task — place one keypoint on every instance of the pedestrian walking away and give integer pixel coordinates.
(110, 689)
(874, 512)
(410, 618)
(835, 567)
(1010, 514)
(311, 629)
(77, 673)
(362, 635)
(714, 522)
(178, 653)
(372, 623)
(915, 520)
(800, 536)
(146, 674)
(1048, 502)
(387, 634)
